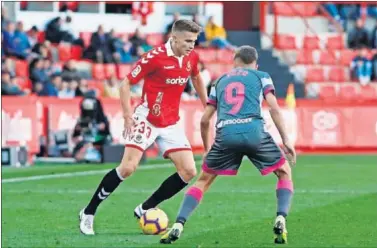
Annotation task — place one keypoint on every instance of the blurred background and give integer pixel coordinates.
(62, 63)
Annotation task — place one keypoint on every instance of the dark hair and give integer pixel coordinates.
(246, 54)
(186, 25)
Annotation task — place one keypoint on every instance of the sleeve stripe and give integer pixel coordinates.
(268, 89)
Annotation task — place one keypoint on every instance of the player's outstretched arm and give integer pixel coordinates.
(125, 100)
(198, 84)
(280, 125)
(209, 111)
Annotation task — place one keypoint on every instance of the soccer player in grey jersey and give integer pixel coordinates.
(237, 98)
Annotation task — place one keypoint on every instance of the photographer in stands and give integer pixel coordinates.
(92, 131)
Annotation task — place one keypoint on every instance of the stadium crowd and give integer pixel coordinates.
(51, 76)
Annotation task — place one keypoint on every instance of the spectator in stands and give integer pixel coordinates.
(123, 48)
(373, 37)
(176, 17)
(343, 12)
(9, 87)
(4, 18)
(23, 38)
(361, 67)
(67, 90)
(70, 72)
(43, 50)
(37, 71)
(53, 30)
(51, 88)
(358, 37)
(6, 66)
(372, 10)
(14, 44)
(49, 68)
(83, 88)
(374, 67)
(99, 49)
(201, 41)
(112, 88)
(139, 44)
(33, 36)
(216, 35)
(70, 34)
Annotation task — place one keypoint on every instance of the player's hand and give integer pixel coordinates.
(289, 150)
(128, 124)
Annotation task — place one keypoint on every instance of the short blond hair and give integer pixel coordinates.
(186, 25)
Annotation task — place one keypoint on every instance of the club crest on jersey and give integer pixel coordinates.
(138, 139)
(136, 71)
(188, 66)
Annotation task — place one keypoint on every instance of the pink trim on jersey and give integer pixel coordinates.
(274, 167)
(219, 172)
(268, 90)
(166, 153)
(212, 102)
(195, 192)
(285, 184)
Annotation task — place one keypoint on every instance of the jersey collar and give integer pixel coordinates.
(169, 50)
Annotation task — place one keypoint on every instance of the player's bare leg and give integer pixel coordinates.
(109, 183)
(186, 170)
(284, 193)
(191, 201)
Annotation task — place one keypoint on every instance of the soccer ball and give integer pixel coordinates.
(154, 222)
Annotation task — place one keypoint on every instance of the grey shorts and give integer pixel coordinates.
(227, 152)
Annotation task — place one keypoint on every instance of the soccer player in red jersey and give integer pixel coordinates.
(165, 71)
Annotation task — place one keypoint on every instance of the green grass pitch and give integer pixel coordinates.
(335, 205)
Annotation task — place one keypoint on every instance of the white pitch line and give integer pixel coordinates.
(78, 174)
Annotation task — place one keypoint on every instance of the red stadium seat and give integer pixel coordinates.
(98, 71)
(86, 36)
(368, 91)
(335, 43)
(21, 68)
(76, 52)
(41, 36)
(207, 55)
(155, 39)
(328, 58)
(24, 83)
(304, 8)
(315, 74)
(64, 52)
(282, 8)
(225, 56)
(123, 70)
(311, 42)
(295, 8)
(304, 57)
(346, 57)
(110, 70)
(348, 91)
(328, 91)
(286, 42)
(337, 74)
